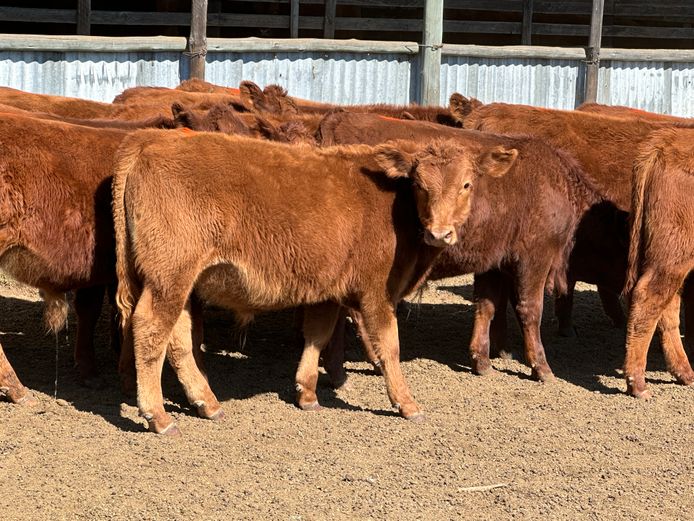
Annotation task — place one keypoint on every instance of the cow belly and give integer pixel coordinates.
(247, 290)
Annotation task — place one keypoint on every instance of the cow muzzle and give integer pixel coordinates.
(440, 237)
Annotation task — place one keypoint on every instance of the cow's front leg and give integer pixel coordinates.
(381, 327)
(489, 295)
(10, 386)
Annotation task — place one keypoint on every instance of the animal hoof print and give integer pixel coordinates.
(312, 406)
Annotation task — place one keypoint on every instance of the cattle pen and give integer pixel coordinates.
(496, 441)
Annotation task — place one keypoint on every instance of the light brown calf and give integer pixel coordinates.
(253, 225)
(661, 252)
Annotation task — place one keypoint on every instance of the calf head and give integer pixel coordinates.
(220, 118)
(273, 99)
(461, 107)
(444, 175)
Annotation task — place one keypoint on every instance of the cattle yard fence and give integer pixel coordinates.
(350, 71)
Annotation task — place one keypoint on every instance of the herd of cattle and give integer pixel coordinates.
(253, 200)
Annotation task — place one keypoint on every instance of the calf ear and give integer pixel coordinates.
(250, 93)
(497, 161)
(394, 161)
(461, 106)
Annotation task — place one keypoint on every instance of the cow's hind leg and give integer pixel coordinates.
(488, 298)
(153, 321)
(612, 306)
(563, 310)
(651, 295)
(88, 303)
(530, 287)
(10, 386)
(319, 323)
(671, 340)
(334, 353)
(381, 327)
(182, 358)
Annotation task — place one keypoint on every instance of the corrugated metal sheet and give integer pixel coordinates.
(98, 76)
(347, 78)
(531, 81)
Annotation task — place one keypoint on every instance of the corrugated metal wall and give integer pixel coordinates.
(361, 72)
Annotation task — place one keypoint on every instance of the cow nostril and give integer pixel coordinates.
(449, 235)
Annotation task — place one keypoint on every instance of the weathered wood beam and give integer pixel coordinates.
(294, 19)
(329, 20)
(432, 40)
(593, 52)
(197, 42)
(84, 15)
(527, 29)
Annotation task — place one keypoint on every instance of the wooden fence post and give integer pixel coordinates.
(84, 15)
(196, 50)
(294, 19)
(329, 19)
(431, 52)
(593, 52)
(527, 29)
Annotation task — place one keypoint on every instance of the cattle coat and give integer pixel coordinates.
(522, 224)
(254, 226)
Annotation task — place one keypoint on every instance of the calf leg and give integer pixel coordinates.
(381, 327)
(651, 295)
(675, 356)
(334, 352)
(88, 303)
(529, 293)
(319, 323)
(563, 309)
(181, 356)
(612, 306)
(498, 329)
(10, 386)
(153, 321)
(488, 297)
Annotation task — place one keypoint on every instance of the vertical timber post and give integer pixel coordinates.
(196, 49)
(294, 19)
(84, 16)
(593, 52)
(431, 52)
(527, 29)
(329, 19)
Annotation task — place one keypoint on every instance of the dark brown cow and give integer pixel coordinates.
(223, 118)
(508, 233)
(661, 253)
(268, 226)
(275, 100)
(605, 147)
(56, 224)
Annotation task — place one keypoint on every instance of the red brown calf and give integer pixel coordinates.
(508, 234)
(604, 146)
(56, 230)
(253, 226)
(661, 252)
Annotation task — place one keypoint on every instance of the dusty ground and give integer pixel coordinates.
(575, 449)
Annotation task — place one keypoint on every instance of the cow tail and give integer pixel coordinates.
(128, 283)
(55, 312)
(647, 163)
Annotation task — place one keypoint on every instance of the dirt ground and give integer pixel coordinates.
(578, 448)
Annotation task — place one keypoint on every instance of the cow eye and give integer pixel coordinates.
(467, 186)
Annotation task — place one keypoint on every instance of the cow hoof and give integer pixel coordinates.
(170, 430)
(641, 395)
(311, 406)
(418, 417)
(340, 382)
(482, 369)
(543, 374)
(28, 400)
(210, 412)
(685, 378)
(376, 367)
(346, 386)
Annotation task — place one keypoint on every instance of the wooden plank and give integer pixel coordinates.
(310, 45)
(432, 39)
(527, 28)
(50, 43)
(139, 18)
(514, 52)
(294, 19)
(329, 19)
(593, 52)
(197, 42)
(84, 14)
(21, 14)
